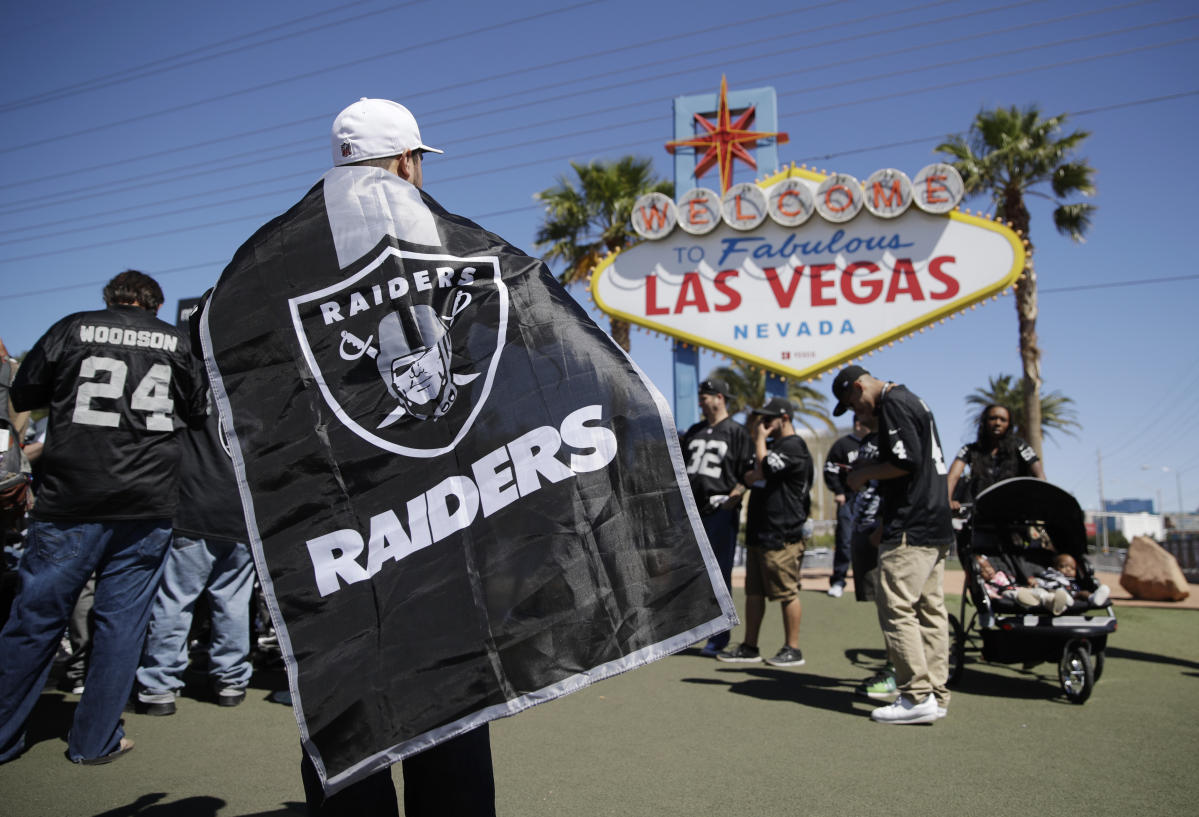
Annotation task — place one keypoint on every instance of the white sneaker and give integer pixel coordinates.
(1099, 597)
(835, 590)
(941, 712)
(904, 711)
(1061, 600)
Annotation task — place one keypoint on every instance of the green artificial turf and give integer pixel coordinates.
(691, 736)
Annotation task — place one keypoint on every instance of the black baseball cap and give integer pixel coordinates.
(775, 407)
(714, 386)
(841, 383)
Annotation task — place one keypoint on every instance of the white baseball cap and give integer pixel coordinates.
(374, 128)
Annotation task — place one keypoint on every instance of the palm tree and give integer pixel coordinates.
(587, 218)
(1011, 154)
(748, 386)
(1057, 410)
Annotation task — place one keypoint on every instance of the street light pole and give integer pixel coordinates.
(1101, 531)
(1177, 486)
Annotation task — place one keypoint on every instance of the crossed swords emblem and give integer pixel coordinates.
(360, 347)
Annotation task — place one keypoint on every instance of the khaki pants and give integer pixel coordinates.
(774, 574)
(911, 603)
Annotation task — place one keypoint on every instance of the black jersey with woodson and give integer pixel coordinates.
(779, 507)
(716, 458)
(916, 504)
(118, 383)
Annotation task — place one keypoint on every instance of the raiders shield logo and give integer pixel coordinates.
(405, 348)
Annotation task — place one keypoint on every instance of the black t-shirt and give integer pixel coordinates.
(119, 383)
(716, 458)
(865, 502)
(209, 502)
(1012, 460)
(779, 508)
(916, 504)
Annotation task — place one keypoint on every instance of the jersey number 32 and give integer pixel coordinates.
(706, 457)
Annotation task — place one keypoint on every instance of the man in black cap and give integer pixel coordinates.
(916, 534)
(718, 453)
(778, 508)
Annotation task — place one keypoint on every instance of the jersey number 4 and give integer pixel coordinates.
(152, 397)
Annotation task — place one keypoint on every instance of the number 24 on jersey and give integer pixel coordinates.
(151, 397)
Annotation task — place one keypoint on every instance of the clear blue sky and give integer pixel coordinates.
(159, 136)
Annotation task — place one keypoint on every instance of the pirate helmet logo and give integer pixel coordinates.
(405, 349)
(414, 361)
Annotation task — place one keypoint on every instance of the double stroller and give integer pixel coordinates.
(1021, 525)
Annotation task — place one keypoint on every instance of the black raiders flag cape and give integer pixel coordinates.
(463, 498)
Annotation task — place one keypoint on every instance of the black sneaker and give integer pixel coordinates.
(787, 657)
(150, 702)
(741, 655)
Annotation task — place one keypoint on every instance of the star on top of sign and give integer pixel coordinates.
(725, 140)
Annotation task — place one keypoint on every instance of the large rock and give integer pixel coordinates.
(1152, 573)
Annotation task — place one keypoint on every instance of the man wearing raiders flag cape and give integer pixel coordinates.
(463, 498)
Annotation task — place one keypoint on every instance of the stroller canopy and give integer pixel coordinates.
(1032, 500)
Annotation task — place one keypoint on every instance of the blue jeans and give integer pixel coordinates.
(843, 549)
(127, 558)
(226, 570)
(721, 527)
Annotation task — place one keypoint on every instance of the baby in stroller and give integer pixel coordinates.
(999, 585)
(1064, 575)
(1038, 593)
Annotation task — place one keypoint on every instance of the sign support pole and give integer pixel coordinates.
(686, 357)
(686, 385)
(775, 386)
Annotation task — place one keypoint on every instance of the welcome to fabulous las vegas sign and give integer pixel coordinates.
(804, 271)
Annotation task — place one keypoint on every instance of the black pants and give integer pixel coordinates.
(842, 549)
(865, 562)
(453, 779)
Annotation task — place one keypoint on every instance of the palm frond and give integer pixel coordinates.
(588, 215)
(1057, 410)
(748, 386)
(1073, 220)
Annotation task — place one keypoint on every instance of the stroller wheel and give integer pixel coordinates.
(957, 650)
(1075, 671)
(1097, 661)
